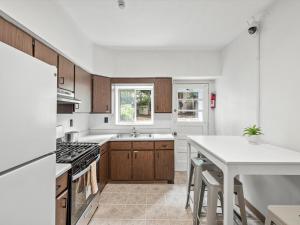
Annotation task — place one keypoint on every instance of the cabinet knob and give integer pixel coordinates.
(64, 203)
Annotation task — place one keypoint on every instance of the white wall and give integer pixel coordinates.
(167, 63)
(80, 122)
(47, 20)
(280, 108)
(103, 61)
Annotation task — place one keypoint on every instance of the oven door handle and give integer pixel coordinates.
(76, 176)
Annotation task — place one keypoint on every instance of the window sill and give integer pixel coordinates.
(135, 124)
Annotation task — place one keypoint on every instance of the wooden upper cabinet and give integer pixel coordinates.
(101, 94)
(65, 73)
(15, 37)
(83, 90)
(44, 53)
(163, 95)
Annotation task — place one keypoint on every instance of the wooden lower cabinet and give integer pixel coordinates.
(61, 199)
(143, 165)
(120, 165)
(103, 169)
(62, 208)
(164, 165)
(142, 161)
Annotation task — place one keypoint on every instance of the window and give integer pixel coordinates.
(190, 105)
(134, 104)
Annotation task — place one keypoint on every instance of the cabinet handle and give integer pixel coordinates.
(128, 155)
(158, 155)
(64, 205)
(164, 146)
(106, 108)
(57, 187)
(61, 80)
(135, 154)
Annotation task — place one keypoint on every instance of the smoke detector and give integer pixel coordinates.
(121, 4)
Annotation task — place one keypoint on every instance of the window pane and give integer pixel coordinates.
(143, 105)
(190, 116)
(187, 105)
(127, 105)
(188, 95)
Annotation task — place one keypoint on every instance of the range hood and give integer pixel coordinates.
(66, 97)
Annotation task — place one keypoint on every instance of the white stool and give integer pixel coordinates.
(214, 186)
(283, 215)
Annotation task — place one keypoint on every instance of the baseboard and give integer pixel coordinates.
(255, 211)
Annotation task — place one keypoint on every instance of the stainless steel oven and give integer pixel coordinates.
(83, 201)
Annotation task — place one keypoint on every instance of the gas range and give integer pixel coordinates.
(82, 203)
(80, 155)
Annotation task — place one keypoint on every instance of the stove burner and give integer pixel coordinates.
(68, 152)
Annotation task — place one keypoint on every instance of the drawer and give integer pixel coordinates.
(120, 145)
(164, 145)
(61, 183)
(140, 145)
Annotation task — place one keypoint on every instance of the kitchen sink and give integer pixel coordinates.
(134, 136)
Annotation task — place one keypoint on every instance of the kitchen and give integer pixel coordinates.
(130, 109)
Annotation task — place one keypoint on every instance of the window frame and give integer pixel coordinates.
(135, 87)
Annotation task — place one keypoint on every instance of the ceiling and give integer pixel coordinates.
(162, 24)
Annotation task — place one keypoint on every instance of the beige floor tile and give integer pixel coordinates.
(119, 188)
(177, 189)
(158, 222)
(158, 188)
(110, 211)
(182, 222)
(156, 198)
(134, 212)
(137, 188)
(133, 222)
(179, 213)
(113, 198)
(176, 200)
(180, 178)
(156, 212)
(97, 221)
(138, 198)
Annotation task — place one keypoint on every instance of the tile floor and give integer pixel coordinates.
(148, 204)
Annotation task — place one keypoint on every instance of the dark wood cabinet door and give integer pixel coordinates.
(44, 53)
(163, 95)
(83, 90)
(120, 165)
(101, 94)
(65, 73)
(164, 165)
(143, 165)
(15, 37)
(103, 173)
(61, 208)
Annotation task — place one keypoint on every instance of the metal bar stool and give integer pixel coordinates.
(283, 215)
(214, 184)
(198, 165)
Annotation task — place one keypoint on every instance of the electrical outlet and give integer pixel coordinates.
(71, 122)
(105, 119)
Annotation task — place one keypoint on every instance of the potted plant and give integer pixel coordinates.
(252, 133)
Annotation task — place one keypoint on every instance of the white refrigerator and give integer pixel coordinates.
(27, 139)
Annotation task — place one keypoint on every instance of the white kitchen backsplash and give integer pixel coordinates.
(162, 124)
(80, 122)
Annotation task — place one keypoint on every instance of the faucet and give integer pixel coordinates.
(134, 132)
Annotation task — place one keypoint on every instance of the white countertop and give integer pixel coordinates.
(61, 168)
(103, 138)
(236, 149)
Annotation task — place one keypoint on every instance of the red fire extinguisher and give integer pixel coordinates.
(212, 100)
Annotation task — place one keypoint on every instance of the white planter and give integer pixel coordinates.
(254, 139)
